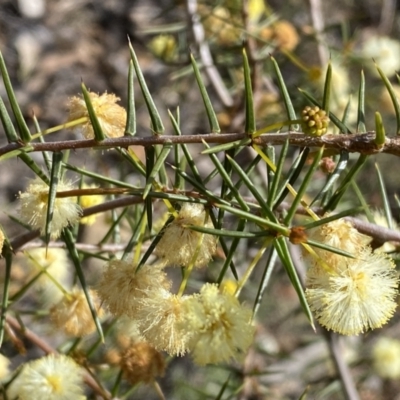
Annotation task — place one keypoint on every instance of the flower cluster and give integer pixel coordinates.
(141, 362)
(314, 121)
(34, 203)
(219, 326)
(179, 243)
(386, 357)
(55, 377)
(350, 295)
(283, 34)
(72, 314)
(383, 51)
(4, 367)
(212, 325)
(138, 360)
(111, 116)
(121, 285)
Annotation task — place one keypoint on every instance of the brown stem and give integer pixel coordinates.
(349, 387)
(363, 143)
(378, 233)
(205, 54)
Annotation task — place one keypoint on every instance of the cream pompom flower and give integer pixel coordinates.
(55, 377)
(4, 367)
(219, 325)
(386, 357)
(72, 314)
(384, 51)
(121, 285)
(341, 235)
(111, 116)
(34, 207)
(159, 318)
(179, 243)
(355, 294)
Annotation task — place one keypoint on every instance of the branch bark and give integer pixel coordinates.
(363, 143)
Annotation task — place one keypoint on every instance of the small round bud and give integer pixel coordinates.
(327, 165)
(314, 121)
(297, 235)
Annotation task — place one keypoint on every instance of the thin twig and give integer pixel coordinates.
(205, 55)
(388, 15)
(319, 26)
(363, 143)
(349, 388)
(331, 338)
(106, 247)
(378, 233)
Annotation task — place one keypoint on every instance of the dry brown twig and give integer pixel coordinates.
(363, 143)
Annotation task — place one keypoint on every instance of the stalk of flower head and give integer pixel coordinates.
(50, 272)
(251, 267)
(67, 125)
(138, 248)
(289, 187)
(43, 270)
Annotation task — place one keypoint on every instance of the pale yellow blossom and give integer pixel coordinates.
(121, 286)
(4, 367)
(179, 243)
(159, 317)
(386, 357)
(383, 51)
(72, 314)
(34, 207)
(111, 116)
(54, 377)
(354, 295)
(220, 327)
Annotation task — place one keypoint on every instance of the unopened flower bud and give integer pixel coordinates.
(142, 363)
(314, 121)
(72, 314)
